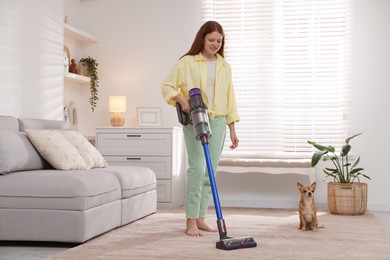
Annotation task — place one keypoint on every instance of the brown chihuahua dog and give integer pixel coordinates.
(308, 208)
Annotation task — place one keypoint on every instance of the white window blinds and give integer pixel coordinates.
(291, 73)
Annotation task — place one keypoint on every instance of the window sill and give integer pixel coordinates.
(268, 166)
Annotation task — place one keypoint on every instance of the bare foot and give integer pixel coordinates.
(192, 229)
(201, 224)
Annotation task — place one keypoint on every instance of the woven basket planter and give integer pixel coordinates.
(347, 198)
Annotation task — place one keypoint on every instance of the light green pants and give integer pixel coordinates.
(198, 183)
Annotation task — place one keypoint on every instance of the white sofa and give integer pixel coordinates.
(40, 203)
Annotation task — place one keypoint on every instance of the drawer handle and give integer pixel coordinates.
(133, 135)
(132, 158)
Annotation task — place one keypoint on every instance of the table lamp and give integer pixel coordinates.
(117, 105)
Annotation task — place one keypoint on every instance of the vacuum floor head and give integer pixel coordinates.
(236, 243)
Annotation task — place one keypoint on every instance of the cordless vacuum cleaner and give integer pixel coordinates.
(200, 121)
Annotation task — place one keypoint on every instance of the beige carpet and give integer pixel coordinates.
(161, 236)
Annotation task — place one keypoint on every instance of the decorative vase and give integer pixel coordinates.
(82, 68)
(66, 114)
(72, 115)
(347, 198)
(66, 62)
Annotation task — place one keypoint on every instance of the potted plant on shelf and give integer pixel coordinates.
(91, 66)
(346, 194)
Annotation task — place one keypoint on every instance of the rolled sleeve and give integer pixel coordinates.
(230, 118)
(169, 93)
(171, 85)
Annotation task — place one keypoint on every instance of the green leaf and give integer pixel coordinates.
(356, 162)
(345, 149)
(316, 158)
(321, 147)
(351, 137)
(330, 174)
(356, 170)
(347, 164)
(332, 170)
(331, 149)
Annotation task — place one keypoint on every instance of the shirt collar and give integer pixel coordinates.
(199, 57)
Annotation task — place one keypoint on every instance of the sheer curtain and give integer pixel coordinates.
(291, 73)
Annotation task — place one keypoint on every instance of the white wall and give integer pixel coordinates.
(140, 40)
(372, 93)
(31, 51)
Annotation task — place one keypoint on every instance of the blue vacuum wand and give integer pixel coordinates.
(200, 122)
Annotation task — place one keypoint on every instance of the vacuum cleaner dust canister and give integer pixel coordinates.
(200, 119)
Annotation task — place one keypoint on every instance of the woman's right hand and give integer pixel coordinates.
(185, 104)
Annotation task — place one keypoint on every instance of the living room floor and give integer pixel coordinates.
(10, 250)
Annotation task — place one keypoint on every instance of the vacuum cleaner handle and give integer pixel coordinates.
(184, 118)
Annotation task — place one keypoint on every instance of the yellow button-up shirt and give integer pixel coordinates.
(191, 72)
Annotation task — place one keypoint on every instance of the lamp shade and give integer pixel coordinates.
(117, 104)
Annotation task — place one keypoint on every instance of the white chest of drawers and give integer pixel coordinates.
(161, 149)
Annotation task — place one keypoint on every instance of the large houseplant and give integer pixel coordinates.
(91, 66)
(346, 194)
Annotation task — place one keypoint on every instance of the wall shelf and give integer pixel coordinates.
(76, 78)
(75, 33)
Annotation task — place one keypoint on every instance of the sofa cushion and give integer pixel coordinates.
(9, 123)
(91, 156)
(18, 154)
(37, 124)
(56, 149)
(58, 190)
(134, 180)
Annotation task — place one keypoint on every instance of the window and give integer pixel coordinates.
(291, 69)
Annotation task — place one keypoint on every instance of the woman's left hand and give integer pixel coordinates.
(234, 142)
(233, 136)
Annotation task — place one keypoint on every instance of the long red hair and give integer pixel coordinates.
(206, 28)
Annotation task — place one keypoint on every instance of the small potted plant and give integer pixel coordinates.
(346, 194)
(91, 66)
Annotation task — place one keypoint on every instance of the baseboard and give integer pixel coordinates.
(287, 205)
(378, 207)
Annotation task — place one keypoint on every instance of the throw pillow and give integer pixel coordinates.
(56, 149)
(18, 154)
(91, 156)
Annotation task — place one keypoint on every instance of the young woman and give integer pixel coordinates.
(203, 67)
